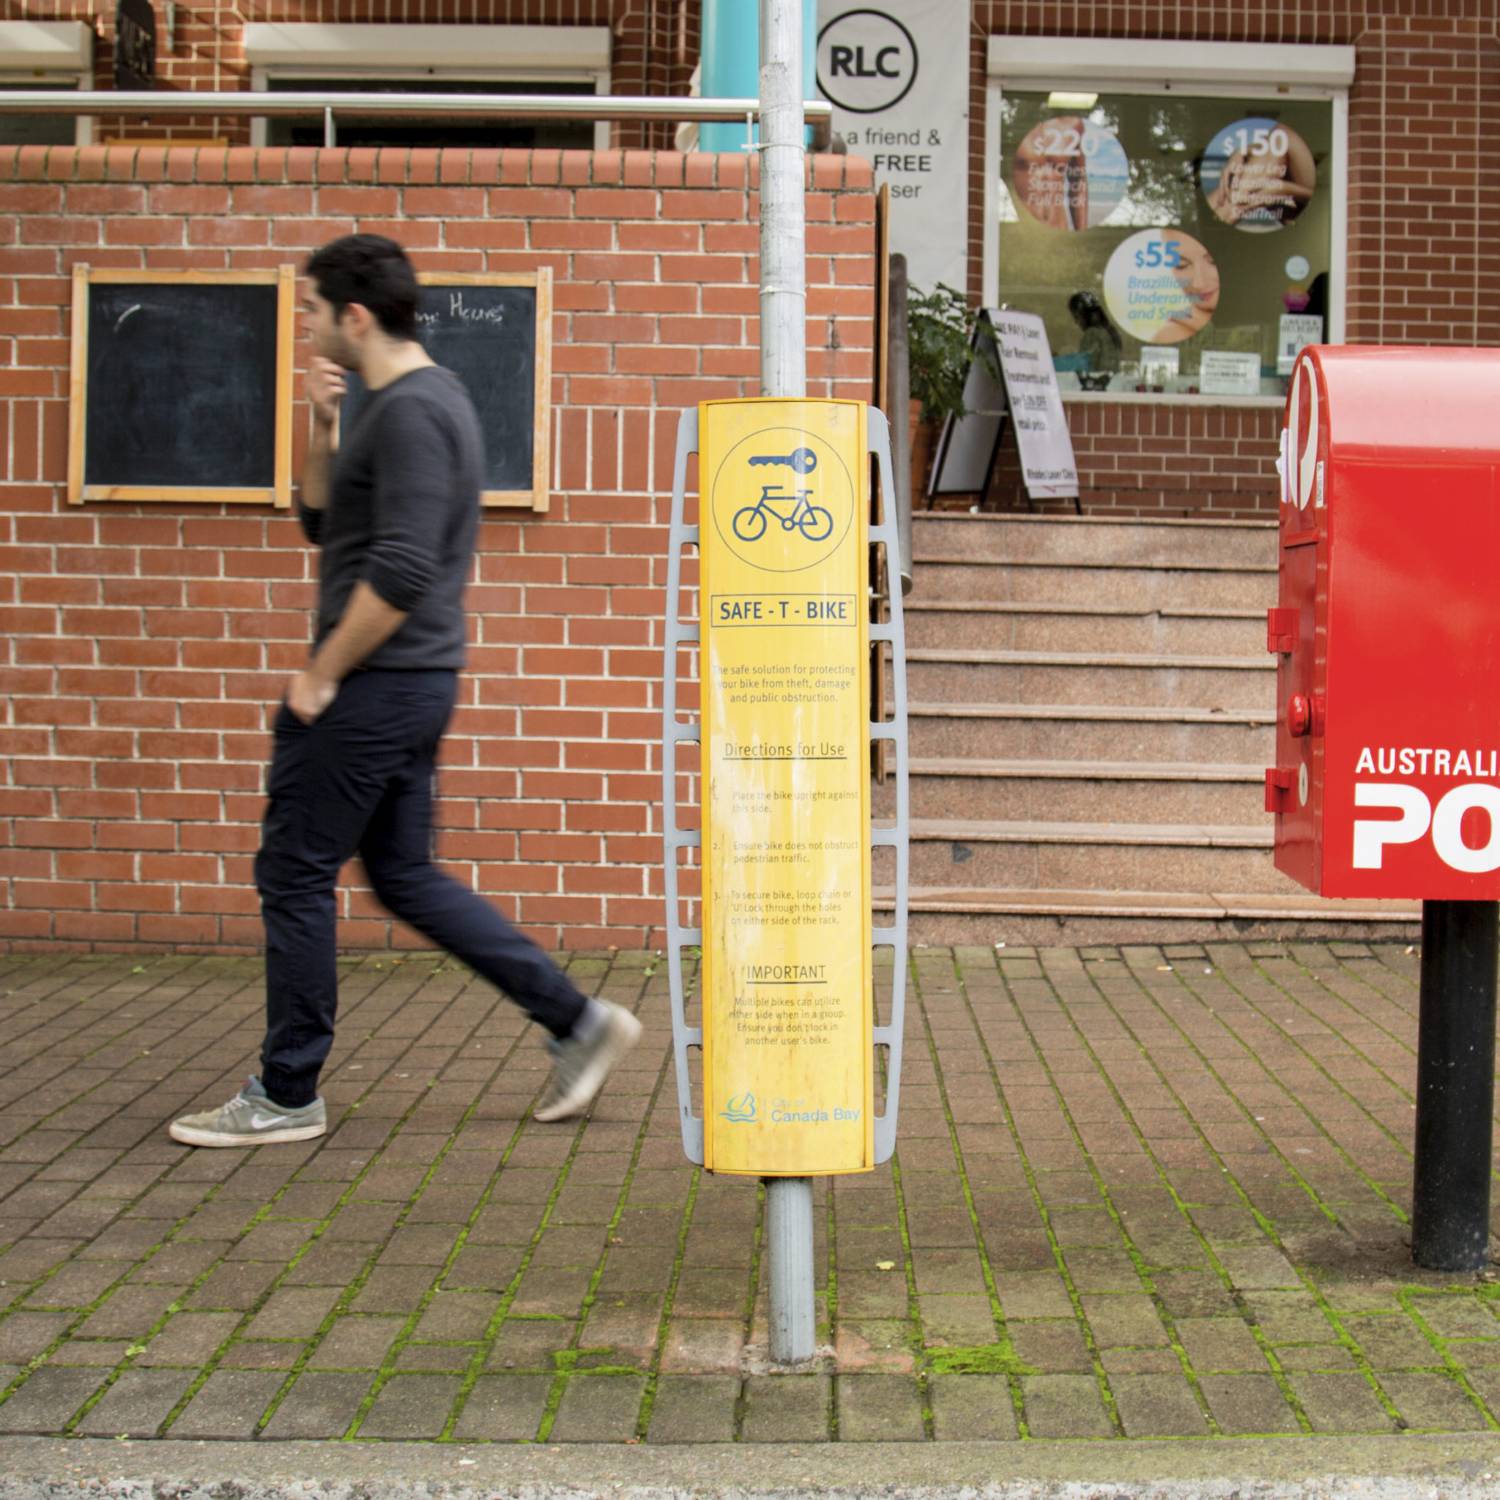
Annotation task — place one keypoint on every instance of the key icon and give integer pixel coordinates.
(802, 460)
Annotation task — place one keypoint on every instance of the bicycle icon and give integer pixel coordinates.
(815, 522)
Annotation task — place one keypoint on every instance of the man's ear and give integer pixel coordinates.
(357, 319)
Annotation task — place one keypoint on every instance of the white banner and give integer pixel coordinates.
(1036, 408)
(897, 75)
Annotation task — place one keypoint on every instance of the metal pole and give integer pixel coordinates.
(783, 372)
(1455, 1085)
(900, 398)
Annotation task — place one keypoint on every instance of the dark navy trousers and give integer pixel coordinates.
(359, 780)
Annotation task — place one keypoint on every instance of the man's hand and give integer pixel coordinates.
(326, 385)
(308, 695)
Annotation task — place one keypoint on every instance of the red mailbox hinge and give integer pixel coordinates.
(1279, 781)
(1281, 631)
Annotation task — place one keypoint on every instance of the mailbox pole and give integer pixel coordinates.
(783, 372)
(1455, 1085)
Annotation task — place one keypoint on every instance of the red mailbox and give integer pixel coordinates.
(1387, 626)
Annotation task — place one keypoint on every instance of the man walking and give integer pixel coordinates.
(395, 511)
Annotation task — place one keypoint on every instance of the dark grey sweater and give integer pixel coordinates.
(403, 509)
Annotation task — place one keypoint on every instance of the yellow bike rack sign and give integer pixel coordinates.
(788, 1086)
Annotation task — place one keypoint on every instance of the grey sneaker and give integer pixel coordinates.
(251, 1118)
(581, 1062)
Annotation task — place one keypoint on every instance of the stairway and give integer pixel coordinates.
(1091, 714)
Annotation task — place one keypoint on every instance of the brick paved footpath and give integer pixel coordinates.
(1140, 1192)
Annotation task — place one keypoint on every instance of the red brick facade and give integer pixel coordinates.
(143, 643)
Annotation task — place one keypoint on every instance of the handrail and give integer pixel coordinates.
(612, 107)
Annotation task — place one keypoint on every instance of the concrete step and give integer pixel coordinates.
(1058, 855)
(1089, 791)
(990, 624)
(1010, 917)
(1015, 581)
(1090, 731)
(1079, 539)
(1098, 677)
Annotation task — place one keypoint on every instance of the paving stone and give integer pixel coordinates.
(356, 1343)
(319, 1405)
(875, 1295)
(786, 1409)
(48, 1398)
(451, 1357)
(529, 1344)
(599, 1409)
(412, 1406)
(694, 1410)
(1392, 1342)
(956, 1320)
(23, 1335)
(1258, 1268)
(1123, 1318)
(879, 1408)
(295, 1312)
(78, 1285)
(1194, 1294)
(189, 1338)
(1064, 1406)
(1220, 1344)
(1157, 1406)
(1290, 1318)
(1314, 1357)
(458, 1315)
(699, 1345)
(137, 1403)
(504, 1408)
(971, 1408)
(1430, 1401)
(1458, 1316)
(229, 1404)
(238, 1286)
(1128, 1361)
(1050, 1347)
(1034, 1294)
(1340, 1403)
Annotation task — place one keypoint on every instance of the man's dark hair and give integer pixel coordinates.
(374, 272)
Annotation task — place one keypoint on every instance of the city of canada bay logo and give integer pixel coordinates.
(782, 500)
(867, 61)
(740, 1110)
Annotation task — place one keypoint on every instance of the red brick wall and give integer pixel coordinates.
(142, 644)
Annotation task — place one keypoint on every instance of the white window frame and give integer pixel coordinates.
(1162, 68)
(53, 55)
(467, 53)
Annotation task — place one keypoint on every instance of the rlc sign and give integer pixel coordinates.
(867, 61)
(135, 45)
(900, 110)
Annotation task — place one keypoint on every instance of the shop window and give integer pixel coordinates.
(1176, 218)
(45, 55)
(420, 59)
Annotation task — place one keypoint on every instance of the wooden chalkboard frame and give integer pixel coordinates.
(538, 497)
(279, 493)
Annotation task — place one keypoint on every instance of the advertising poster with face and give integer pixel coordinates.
(1161, 286)
(1257, 174)
(1071, 173)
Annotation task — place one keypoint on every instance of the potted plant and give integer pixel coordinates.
(939, 332)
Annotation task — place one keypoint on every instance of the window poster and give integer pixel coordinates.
(1133, 224)
(888, 71)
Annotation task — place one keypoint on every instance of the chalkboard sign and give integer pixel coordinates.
(495, 333)
(181, 386)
